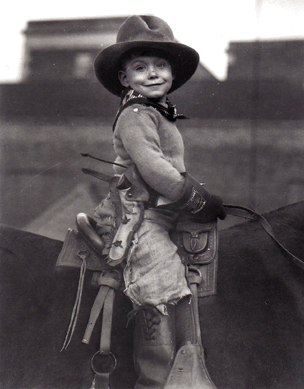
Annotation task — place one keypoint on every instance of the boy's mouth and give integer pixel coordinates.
(151, 85)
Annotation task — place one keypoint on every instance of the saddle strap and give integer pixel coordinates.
(101, 379)
(95, 311)
(104, 299)
(103, 362)
(194, 279)
(75, 312)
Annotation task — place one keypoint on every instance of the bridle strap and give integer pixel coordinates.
(246, 213)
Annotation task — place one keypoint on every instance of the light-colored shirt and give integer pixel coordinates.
(144, 137)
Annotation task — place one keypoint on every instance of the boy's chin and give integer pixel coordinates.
(160, 98)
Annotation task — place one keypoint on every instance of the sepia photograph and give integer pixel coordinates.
(152, 195)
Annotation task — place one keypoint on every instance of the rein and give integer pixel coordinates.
(246, 213)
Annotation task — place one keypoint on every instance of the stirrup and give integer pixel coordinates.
(189, 370)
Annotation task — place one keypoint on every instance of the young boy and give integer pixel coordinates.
(143, 67)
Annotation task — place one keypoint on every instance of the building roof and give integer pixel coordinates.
(79, 35)
(74, 26)
(267, 59)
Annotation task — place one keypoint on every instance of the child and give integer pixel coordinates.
(143, 67)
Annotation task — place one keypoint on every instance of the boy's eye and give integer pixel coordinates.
(163, 65)
(140, 68)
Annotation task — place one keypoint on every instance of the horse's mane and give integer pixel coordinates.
(286, 222)
(292, 214)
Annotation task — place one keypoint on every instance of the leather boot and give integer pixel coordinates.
(154, 347)
(189, 369)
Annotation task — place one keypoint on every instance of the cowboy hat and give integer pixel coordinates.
(144, 32)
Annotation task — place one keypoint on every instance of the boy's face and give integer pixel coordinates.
(148, 75)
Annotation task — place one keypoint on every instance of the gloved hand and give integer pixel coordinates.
(213, 209)
(198, 202)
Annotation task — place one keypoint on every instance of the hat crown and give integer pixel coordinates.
(145, 28)
(144, 33)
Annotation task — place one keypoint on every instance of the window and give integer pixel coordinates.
(83, 65)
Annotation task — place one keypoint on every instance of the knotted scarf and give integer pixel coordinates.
(130, 97)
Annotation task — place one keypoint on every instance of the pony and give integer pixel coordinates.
(252, 329)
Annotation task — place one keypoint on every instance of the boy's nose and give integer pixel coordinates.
(152, 71)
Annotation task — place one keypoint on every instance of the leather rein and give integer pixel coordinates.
(246, 213)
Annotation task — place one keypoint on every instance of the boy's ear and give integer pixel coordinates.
(122, 76)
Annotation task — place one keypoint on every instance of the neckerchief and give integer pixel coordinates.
(130, 97)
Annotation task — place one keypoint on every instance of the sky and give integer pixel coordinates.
(207, 26)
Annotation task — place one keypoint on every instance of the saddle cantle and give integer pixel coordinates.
(197, 245)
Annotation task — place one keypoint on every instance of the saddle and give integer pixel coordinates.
(197, 245)
(91, 248)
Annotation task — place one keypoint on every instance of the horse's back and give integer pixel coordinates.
(253, 328)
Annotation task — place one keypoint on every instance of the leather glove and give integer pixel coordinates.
(213, 209)
(198, 202)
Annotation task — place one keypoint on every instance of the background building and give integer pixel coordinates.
(66, 49)
(267, 60)
(265, 78)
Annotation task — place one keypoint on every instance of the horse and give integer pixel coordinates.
(252, 328)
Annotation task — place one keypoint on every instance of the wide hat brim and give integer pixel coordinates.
(107, 62)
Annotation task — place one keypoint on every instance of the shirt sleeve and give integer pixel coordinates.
(137, 129)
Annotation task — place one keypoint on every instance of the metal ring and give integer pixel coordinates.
(195, 269)
(83, 254)
(104, 366)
